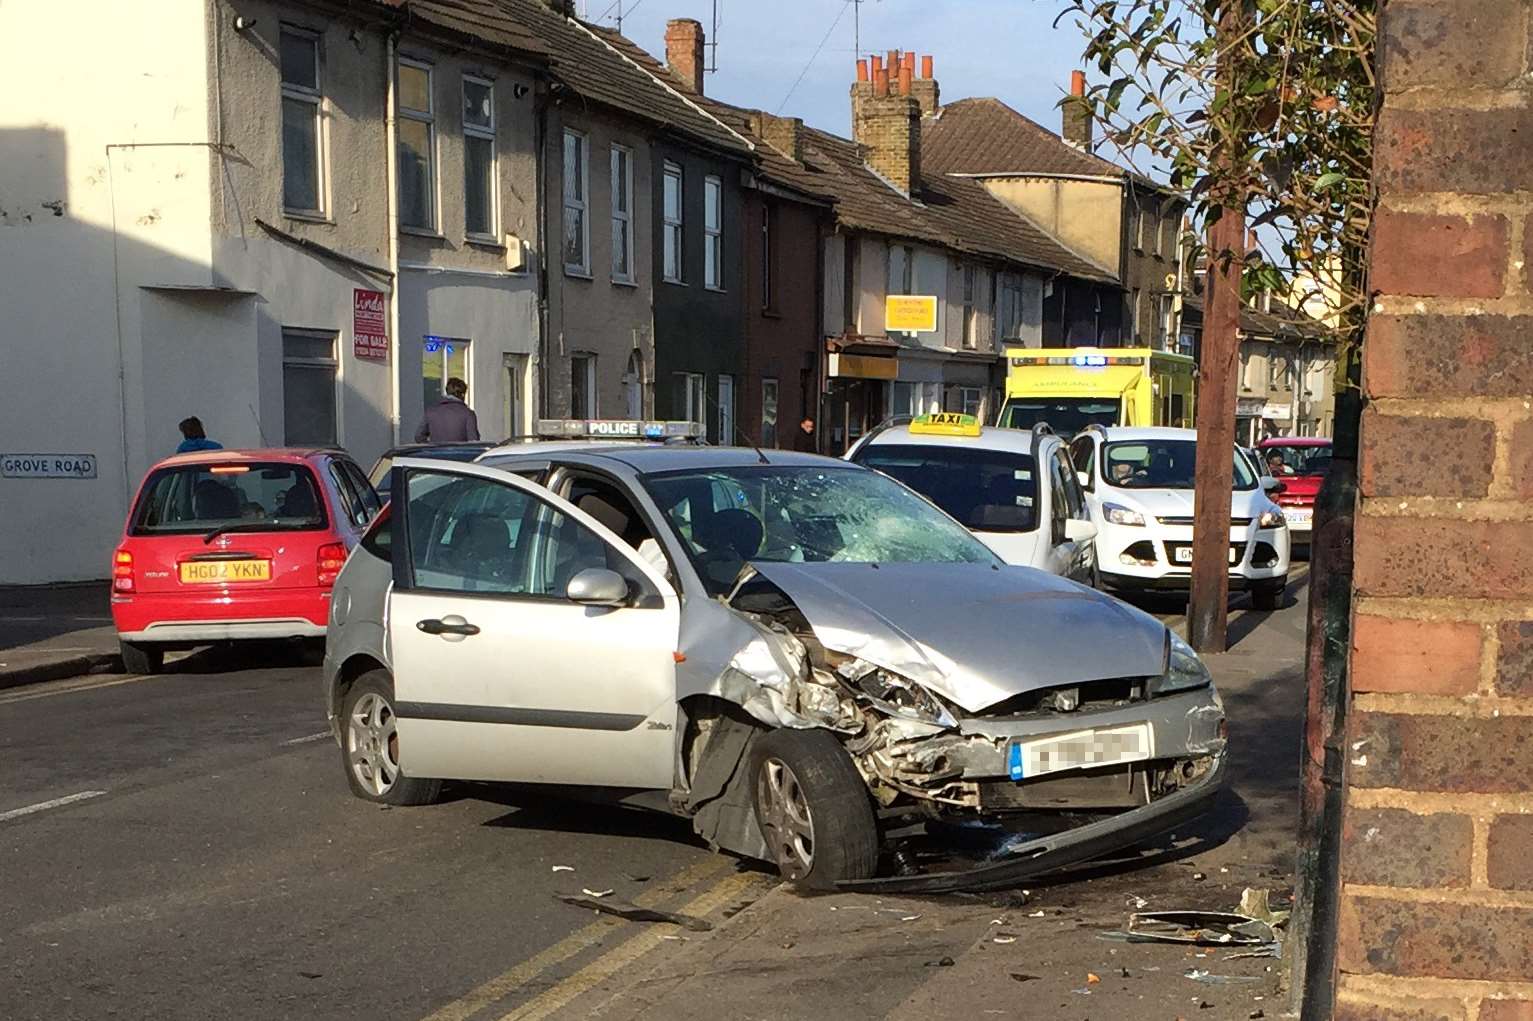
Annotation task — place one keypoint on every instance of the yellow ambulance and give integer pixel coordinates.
(1070, 388)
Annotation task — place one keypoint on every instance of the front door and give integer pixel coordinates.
(498, 675)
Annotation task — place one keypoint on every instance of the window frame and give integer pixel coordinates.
(580, 202)
(713, 234)
(725, 387)
(694, 391)
(768, 253)
(673, 228)
(332, 363)
(316, 98)
(1136, 298)
(625, 217)
(487, 134)
(433, 163)
(587, 385)
(970, 326)
(775, 404)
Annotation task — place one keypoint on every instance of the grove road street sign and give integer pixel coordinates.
(48, 466)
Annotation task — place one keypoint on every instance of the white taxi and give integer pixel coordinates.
(1139, 487)
(1016, 490)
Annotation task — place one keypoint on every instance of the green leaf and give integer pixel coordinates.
(1325, 181)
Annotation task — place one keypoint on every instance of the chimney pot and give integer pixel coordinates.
(862, 70)
(908, 59)
(684, 52)
(894, 61)
(1077, 83)
(875, 63)
(1075, 114)
(881, 82)
(906, 72)
(926, 66)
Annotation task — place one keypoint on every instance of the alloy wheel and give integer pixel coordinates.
(372, 744)
(786, 822)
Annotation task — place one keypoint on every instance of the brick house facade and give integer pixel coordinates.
(1436, 905)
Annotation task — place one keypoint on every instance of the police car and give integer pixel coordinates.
(1016, 490)
(1139, 488)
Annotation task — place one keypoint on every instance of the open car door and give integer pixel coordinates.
(503, 669)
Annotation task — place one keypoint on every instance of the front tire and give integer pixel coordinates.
(813, 809)
(370, 746)
(141, 658)
(1269, 597)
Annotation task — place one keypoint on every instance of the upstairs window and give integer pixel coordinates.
(970, 311)
(417, 147)
(671, 267)
(302, 152)
(478, 158)
(622, 214)
(577, 229)
(713, 233)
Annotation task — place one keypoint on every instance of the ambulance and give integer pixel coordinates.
(1071, 388)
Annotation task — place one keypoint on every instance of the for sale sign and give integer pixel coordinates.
(369, 325)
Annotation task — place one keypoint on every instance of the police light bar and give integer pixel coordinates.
(946, 423)
(615, 429)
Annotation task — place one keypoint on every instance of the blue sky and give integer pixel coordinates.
(1003, 48)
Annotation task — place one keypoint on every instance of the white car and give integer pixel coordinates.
(1139, 487)
(1014, 489)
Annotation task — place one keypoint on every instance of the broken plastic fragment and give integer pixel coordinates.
(595, 893)
(563, 868)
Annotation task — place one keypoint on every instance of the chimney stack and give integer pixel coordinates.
(684, 52)
(785, 134)
(1075, 114)
(887, 121)
(924, 89)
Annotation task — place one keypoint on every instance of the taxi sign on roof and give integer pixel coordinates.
(945, 423)
(615, 429)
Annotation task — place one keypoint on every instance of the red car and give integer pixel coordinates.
(1305, 461)
(235, 544)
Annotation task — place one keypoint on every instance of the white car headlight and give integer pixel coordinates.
(1271, 519)
(1184, 669)
(1117, 514)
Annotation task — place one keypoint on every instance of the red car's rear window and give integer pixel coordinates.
(249, 497)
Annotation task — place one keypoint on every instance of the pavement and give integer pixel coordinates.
(53, 631)
(190, 850)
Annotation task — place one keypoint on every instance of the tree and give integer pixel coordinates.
(1295, 105)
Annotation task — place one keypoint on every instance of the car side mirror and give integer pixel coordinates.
(1077, 530)
(1084, 478)
(597, 586)
(1272, 485)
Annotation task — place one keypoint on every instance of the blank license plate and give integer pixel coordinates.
(1295, 514)
(212, 572)
(1183, 554)
(1082, 749)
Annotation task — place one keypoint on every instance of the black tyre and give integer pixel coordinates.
(813, 808)
(370, 746)
(1269, 596)
(141, 658)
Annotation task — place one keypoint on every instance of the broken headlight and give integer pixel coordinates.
(1184, 670)
(893, 694)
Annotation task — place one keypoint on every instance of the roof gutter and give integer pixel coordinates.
(1094, 178)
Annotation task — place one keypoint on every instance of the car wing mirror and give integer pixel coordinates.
(597, 586)
(1084, 478)
(1272, 485)
(1077, 530)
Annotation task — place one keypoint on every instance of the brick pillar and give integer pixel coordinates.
(1437, 870)
(890, 129)
(785, 134)
(684, 52)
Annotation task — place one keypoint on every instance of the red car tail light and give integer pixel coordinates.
(330, 558)
(122, 571)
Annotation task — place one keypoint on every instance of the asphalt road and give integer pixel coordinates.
(185, 846)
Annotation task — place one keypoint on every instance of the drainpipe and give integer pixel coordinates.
(391, 140)
(540, 141)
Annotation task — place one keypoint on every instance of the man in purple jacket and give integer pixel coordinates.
(449, 420)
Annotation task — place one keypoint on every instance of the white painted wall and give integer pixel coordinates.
(105, 186)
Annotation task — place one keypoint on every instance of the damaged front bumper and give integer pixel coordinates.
(1071, 847)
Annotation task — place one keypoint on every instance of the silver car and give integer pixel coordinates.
(797, 654)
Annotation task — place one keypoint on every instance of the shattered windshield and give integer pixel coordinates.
(798, 514)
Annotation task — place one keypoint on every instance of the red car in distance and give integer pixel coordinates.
(224, 545)
(1306, 460)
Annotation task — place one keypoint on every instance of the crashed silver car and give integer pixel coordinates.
(799, 655)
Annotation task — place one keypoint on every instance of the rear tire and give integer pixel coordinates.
(1269, 596)
(370, 746)
(141, 658)
(813, 808)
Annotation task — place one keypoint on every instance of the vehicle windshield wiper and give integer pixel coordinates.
(247, 526)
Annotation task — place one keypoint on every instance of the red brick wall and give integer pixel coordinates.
(1437, 869)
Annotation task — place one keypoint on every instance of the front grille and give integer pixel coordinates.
(1234, 522)
(1092, 696)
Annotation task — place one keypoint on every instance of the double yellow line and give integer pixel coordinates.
(724, 889)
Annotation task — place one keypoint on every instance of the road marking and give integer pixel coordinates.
(503, 985)
(69, 687)
(307, 738)
(43, 806)
(626, 953)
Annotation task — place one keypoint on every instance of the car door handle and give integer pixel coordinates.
(444, 627)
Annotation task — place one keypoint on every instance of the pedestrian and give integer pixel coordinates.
(193, 437)
(449, 420)
(1275, 465)
(805, 441)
